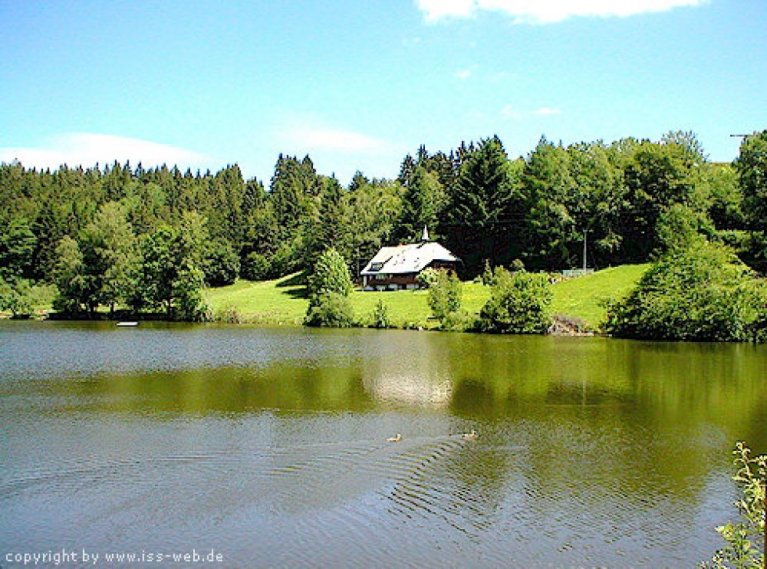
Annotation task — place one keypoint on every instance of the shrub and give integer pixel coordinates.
(286, 259)
(487, 276)
(445, 295)
(330, 309)
(229, 315)
(427, 278)
(330, 275)
(380, 317)
(256, 267)
(329, 287)
(680, 225)
(190, 303)
(16, 297)
(742, 549)
(458, 321)
(519, 304)
(222, 264)
(702, 292)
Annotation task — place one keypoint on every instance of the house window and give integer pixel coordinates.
(380, 277)
(376, 266)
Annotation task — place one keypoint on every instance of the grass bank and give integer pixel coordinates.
(584, 297)
(283, 301)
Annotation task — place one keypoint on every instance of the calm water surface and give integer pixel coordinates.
(269, 445)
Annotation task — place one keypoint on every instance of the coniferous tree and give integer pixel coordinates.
(422, 205)
(358, 180)
(49, 227)
(294, 196)
(328, 228)
(406, 171)
(371, 219)
(17, 243)
(225, 215)
(482, 205)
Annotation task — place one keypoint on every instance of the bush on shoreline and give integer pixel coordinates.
(330, 309)
(444, 296)
(701, 292)
(329, 288)
(519, 304)
(380, 317)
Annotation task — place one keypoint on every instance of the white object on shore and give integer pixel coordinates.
(127, 324)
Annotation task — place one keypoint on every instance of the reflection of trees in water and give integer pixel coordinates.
(639, 418)
(624, 423)
(282, 386)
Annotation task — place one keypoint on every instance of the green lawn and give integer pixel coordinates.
(584, 296)
(282, 301)
(273, 302)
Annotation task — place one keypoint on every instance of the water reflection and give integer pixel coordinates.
(423, 381)
(272, 445)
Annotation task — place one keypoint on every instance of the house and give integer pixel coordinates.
(398, 267)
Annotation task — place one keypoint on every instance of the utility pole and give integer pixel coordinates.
(585, 231)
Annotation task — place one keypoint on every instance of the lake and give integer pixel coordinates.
(269, 446)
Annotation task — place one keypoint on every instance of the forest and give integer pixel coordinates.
(151, 239)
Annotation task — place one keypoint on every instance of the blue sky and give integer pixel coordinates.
(358, 84)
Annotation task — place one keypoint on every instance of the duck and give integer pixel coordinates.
(472, 436)
(395, 439)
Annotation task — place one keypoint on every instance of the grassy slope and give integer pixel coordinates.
(281, 302)
(583, 296)
(275, 302)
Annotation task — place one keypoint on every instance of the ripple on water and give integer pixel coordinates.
(578, 474)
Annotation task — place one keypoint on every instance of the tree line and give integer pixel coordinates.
(150, 239)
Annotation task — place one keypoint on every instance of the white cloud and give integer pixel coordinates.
(547, 11)
(314, 138)
(335, 149)
(547, 112)
(87, 149)
(462, 74)
(511, 113)
(437, 9)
